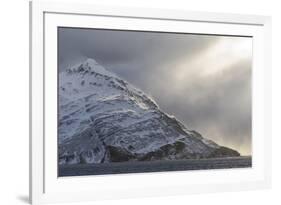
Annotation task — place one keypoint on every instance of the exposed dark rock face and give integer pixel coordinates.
(102, 119)
(223, 152)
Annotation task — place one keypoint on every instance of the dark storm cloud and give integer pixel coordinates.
(205, 81)
(111, 47)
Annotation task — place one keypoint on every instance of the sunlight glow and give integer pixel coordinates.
(215, 59)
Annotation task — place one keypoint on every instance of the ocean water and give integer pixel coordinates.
(154, 166)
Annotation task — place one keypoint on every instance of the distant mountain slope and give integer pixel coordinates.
(103, 118)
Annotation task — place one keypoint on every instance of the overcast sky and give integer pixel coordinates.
(203, 80)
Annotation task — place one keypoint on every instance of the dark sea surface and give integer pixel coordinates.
(154, 166)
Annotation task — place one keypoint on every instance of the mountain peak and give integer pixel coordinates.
(103, 118)
(91, 61)
(90, 65)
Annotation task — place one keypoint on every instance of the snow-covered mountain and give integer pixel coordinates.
(103, 118)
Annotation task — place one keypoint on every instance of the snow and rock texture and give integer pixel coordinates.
(103, 118)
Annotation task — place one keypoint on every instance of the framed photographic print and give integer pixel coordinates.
(129, 102)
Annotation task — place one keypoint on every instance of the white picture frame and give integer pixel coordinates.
(46, 187)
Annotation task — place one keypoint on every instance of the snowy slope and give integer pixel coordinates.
(103, 118)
